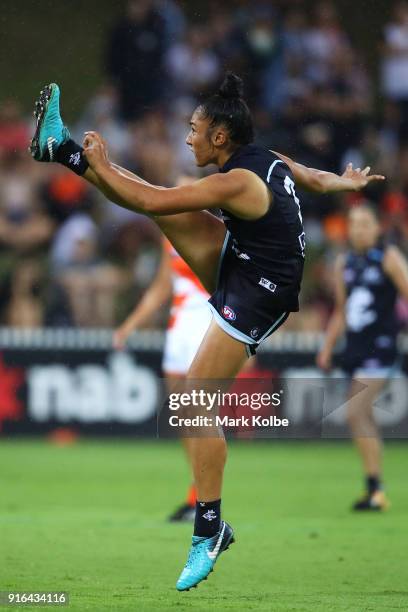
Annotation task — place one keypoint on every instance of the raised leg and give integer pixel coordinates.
(197, 236)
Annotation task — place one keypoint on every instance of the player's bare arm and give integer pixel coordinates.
(319, 181)
(156, 295)
(396, 266)
(238, 191)
(336, 324)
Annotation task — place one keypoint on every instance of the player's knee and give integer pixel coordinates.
(355, 416)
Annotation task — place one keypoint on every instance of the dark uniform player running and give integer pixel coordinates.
(258, 280)
(368, 280)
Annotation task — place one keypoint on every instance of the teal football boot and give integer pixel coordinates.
(203, 554)
(50, 131)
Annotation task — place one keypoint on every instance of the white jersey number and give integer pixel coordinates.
(290, 188)
(358, 313)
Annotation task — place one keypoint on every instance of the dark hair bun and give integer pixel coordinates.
(232, 87)
(227, 107)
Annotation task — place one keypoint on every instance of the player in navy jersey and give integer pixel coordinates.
(251, 261)
(368, 280)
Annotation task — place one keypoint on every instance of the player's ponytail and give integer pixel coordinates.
(228, 107)
(231, 87)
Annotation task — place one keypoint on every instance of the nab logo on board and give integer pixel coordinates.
(228, 313)
(121, 391)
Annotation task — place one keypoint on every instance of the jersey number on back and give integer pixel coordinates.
(290, 188)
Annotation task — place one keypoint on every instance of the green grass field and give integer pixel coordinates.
(89, 519)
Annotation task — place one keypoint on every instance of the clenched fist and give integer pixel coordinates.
(95, 151)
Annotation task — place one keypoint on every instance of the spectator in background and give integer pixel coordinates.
(371, 150)
(25, 303)
(25, 226)
(324, 39)
(174, 19)
(389, 124)
(14, 130)
(344, 101)
(64, 194)
(294, 36)
(101, 114)
(227, 39)
(91, 283)
(191, 65)
(135, 59)
(151, 150)
(264, 53)
(395, 61)
(295, 86)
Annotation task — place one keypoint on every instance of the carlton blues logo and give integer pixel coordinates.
(228, 313)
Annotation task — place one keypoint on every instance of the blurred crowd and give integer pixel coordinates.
(69, 258)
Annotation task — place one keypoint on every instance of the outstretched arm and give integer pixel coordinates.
(231, 191)
(319, 181)
(156, 295)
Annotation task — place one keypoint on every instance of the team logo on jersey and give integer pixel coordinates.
(264, 282)
(228, 313)
(255, 332)
(372, 275)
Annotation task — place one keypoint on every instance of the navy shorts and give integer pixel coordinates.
(366, 359)
(245, 304)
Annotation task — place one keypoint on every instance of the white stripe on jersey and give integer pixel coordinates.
(271, 167)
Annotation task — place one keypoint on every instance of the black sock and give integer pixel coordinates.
(70, 154)
(207, 518)
(373, 484)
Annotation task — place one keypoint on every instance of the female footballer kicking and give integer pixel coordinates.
(251, 261)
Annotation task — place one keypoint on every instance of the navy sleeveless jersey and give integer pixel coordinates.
(371, 322)
(274, 243)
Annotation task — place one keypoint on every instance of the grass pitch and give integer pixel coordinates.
(89, 519)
